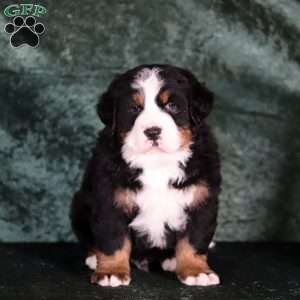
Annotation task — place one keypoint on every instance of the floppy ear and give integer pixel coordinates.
(105, 109)
(201, 102)
(201, 99)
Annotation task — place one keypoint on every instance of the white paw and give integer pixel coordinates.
(202, 279)
(169, 264)
(212, 245)
(113, 281)
(91, 262)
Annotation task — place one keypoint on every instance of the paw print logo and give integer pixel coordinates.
(24, 31)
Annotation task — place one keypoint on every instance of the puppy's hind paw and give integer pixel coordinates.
(169, 264)
(91, 262)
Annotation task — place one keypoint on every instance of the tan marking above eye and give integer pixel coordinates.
(164, 96)
(139, 99)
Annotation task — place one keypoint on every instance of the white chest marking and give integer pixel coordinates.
(159, 204)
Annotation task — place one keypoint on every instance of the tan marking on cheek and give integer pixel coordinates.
(139, 99)
(188, 262)
(116, 264)
(164, 96)
(185, 136)
(125, 199)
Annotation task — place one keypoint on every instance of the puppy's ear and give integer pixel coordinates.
(201, 99)
(201, 102)
(105, 109)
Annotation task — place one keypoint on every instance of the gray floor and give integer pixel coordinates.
(56, 271)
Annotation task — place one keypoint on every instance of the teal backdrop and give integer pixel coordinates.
(247, 52)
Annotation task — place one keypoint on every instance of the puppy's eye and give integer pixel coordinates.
(135, 109)
(172, 108)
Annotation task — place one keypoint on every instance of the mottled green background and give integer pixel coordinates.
(248, 53)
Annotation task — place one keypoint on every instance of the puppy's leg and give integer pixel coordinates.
(113, 269)
(169, 264)
(191, 250)
(192, 268)
(80, 216)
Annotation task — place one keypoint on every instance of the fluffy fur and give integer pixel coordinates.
(154, 176)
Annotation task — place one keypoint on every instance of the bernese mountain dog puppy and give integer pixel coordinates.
(150, 190)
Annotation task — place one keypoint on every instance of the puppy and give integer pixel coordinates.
(150, 190)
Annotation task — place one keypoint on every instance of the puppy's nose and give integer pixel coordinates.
(152, 133)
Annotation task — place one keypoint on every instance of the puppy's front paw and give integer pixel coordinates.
(192, 268)
(113, 280)
(114, 269)
(202, 279)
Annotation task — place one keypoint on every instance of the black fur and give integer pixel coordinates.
(96, 220)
